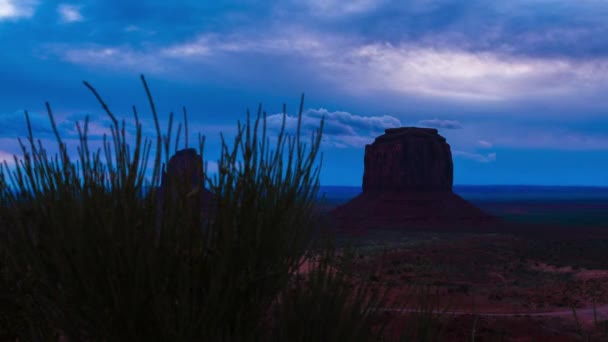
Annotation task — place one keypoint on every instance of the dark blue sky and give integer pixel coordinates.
(519, 88)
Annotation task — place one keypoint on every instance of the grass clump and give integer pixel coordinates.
(80, 253)
(599, 329)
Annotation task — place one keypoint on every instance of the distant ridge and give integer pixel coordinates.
(495, 192)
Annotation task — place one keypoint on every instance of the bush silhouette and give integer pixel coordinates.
(81, 255)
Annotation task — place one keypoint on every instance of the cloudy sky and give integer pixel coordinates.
(519, 88)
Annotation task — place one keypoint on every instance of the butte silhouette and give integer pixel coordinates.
(407, 185)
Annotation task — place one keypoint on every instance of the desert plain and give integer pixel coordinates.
(539, 273)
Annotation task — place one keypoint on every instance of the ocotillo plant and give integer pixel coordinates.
(98, 269)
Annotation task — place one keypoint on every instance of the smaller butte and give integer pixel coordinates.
(185, 166)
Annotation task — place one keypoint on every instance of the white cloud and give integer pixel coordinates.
(198, 47)
(69, 13)
(287, 42)
(8, 157)
(134, 29)
(484, 144)
(341, 129)
(120, 58)
(14, 9)
(131, 28)
(436, 123)
(547, 139)
(353, 121)
(212, 167)
(469, 76)
(337, 8)
(165, 59)
(490, 157)
(516, 135)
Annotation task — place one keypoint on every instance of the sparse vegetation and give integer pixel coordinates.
(599, 329)
(80, 255)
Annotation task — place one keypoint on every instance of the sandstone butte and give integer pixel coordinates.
(185, 164)
(407, 184)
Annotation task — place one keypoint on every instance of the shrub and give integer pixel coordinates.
(98, 270)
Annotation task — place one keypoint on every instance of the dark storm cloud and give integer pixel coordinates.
(523, 27)
(484, 50)
(533, 28)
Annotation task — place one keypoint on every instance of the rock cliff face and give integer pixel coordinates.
(185, 165)
(408, 158)
(407, 184)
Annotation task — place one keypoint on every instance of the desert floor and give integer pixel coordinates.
(516, 282)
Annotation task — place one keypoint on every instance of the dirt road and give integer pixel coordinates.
(583, 314)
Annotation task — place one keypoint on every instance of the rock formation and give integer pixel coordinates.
(408, 158)
(185, 166)
(407, 184)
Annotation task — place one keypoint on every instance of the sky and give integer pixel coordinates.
(518, 88)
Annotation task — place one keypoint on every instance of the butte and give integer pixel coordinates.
(407, 185)
(185, 166)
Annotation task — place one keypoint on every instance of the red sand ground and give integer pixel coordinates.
(520, 280)
(513, 298)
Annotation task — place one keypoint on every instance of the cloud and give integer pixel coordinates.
(8, 157)
(137, 29)
(166, 59)
(484, 144)
(338, 8)
(199, 47)
(544, 28)
(212, 167)
(341, 129)
(358, 67)
(287, 42)
(69, 13)
(15, 9)
(558, 139)
(448, 124)
(14, 124)
(582, 135)
(132, 28)
(113, 58)
(468, 76)
(490, 157)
